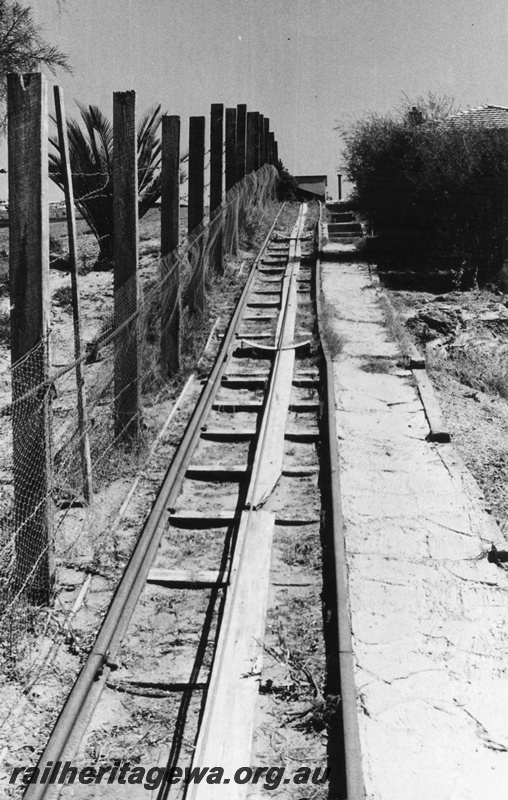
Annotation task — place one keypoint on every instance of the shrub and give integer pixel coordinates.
(91, 157)
(431, 186)
(287, 188)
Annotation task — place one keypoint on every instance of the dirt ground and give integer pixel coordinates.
(464, 336)
(42, 653)
(44, 663)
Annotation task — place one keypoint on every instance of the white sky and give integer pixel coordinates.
(306, 64)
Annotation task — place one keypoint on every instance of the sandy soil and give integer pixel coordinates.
(465, 338)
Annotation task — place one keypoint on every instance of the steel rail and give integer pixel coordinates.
(352, 749)
(74, 718)
(250, 510)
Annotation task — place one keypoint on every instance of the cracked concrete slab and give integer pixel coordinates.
(429, 614)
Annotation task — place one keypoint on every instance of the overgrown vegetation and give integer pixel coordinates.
(287, 188)
(91, 156)
(431, 187)
(5, 327)
(334, 339)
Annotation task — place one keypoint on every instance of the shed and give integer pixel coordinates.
(312, 186)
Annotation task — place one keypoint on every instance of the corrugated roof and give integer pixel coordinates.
(483, 116)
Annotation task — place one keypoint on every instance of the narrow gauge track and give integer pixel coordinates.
(246, 464)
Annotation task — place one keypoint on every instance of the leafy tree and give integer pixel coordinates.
(22, 46)
(91, 157)
(430, 185)
(287, 188)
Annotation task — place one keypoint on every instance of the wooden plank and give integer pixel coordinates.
(202, 519)
(125, 253)
(304, 405)
(438, 429)
(226, 732)
(29, 297)
(299, 472)
(241, 140)
(269, 458)
(84, 443)
(221, 435)
(184, 518)
(212, 472)
(186, 578)
(244, 381)
(268, 461)
(302, 436)
(264, 304)
(239, 406)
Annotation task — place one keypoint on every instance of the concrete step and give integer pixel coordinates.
(347, 217)
(344, 227)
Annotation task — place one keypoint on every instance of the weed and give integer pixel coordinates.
(377, 364)
(63, 297)
(394, 326)
(333, 338)
(4, 276)
(55, 245)
(5, 328)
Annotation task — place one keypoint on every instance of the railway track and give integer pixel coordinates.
(247, 468)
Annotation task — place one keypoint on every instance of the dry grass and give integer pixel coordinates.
(394, 326)
(63, 297)
(5, 328)
(377, 364)
(472, 367)
(334, 340)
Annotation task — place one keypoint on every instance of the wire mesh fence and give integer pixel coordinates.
(44, 526)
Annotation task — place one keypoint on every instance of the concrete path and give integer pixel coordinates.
(429, 614)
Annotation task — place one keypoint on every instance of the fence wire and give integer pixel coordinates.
(43, 523)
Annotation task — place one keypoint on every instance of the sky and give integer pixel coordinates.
(308, 65)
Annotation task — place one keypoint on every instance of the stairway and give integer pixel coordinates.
(342, 224)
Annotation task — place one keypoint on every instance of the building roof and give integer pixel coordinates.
(312, 184)
(483, 117)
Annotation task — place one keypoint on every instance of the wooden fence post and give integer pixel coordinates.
(249, 155)
(125, 253)
(196, 211)
(216, 161)
(255, 142)
(230, 148)
(261, 140)
(270, 148)
(266, 140)
(241, 130)
(230, 178)
(30, 303)
(276, 153)
(84, 443)
(170, 232)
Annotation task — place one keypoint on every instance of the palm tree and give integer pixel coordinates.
(91, 157)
